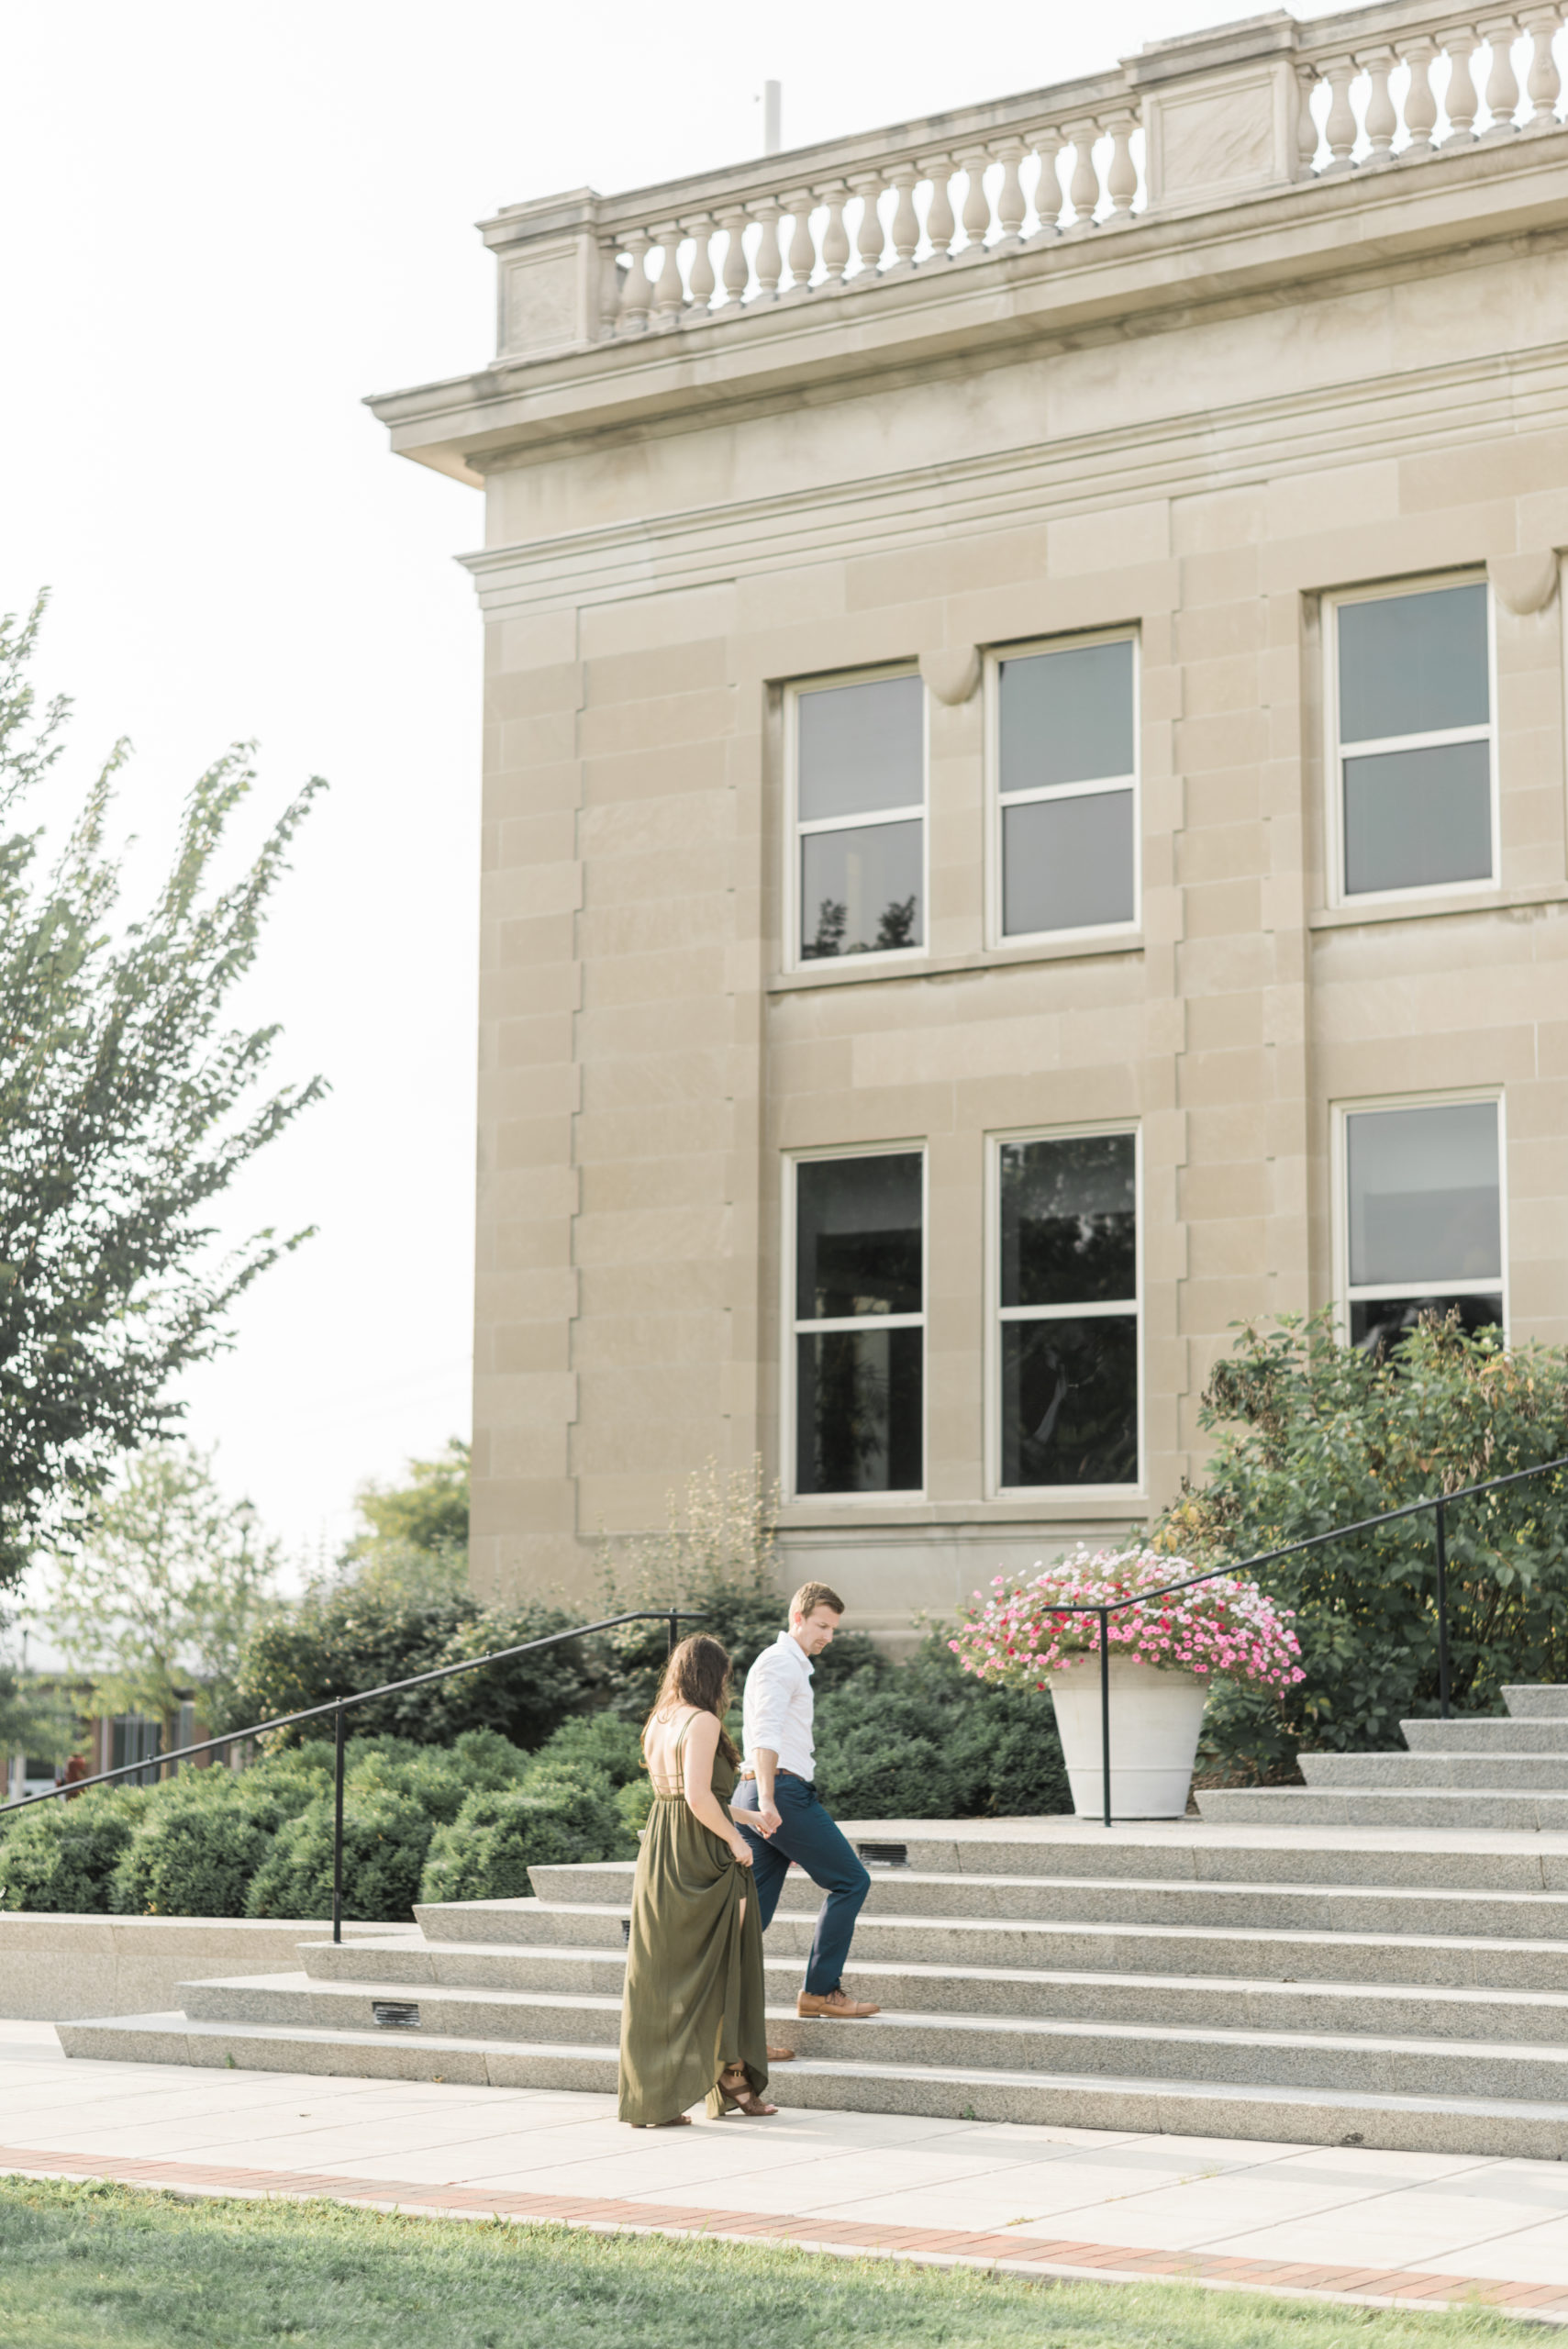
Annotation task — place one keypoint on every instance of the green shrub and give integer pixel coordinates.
(1311, 1434)
(61, 1856)
(484, 1758)
(603, 1741)
(199, 1842)
(924, 1739)
(633, 1803)
(555, 1818)
(385, 1837)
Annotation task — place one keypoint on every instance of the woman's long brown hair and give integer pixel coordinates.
(699, 1673)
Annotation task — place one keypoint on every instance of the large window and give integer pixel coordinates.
(860, 1323)
(1066, 769)
(1067, 1381)
(1411, 700)
(1423, 1217)
(859, 755)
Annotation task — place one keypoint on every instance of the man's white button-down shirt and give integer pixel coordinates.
(778, 1707)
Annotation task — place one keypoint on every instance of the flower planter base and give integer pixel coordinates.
(1155, 1719)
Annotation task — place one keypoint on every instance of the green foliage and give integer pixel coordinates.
(124, 1109)
(34, 1719)
(60, 1854)
(385, 1836)
(169, 1583)
(560, 1814)
(428, 1513)
(200, 1840)
(1311, 1434)
(603, 1741)
(924, 1739)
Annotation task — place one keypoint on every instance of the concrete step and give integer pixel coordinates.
(1487, 1733)
(950, 1949)
(591, 1981)
(1401, 1810)
(1042, 1901)
(1475, 1773)
(1536, 1700)
(1336, 2061)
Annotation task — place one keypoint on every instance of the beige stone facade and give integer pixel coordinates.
(1195, 417)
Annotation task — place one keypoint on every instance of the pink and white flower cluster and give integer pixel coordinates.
(1227, 1626)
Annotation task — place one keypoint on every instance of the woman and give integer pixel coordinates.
(692, 2022)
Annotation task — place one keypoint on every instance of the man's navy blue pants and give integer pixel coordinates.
(808, 1835)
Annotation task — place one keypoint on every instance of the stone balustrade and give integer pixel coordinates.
(1187, 124)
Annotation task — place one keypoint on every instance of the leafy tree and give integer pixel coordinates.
(33, 1720)
(124, 1111)
(166, 1591)
(414, 1544)
(1311, 1433)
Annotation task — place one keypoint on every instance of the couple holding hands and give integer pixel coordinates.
(718, 1843)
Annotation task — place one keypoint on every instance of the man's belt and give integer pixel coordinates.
(779, 1773)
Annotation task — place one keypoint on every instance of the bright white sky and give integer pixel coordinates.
(224, 228)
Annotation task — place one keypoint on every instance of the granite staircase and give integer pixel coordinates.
(1406, 1989)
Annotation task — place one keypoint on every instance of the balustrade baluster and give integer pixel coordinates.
(1460, 98)
(906, 230)
(976, 214)
(802, 250)
(737, 269)
(609, 285)
(669, 294)
(834, 237)
(1049, 203)
(940, 226)
(770, 260)
(1121, 176)
(1012, 205)
(634, 293)
(1382, 115)
(1543, 83)
(1306, 121)
(701, 274)
(871, 236)
(1420, 105)
(1502, 81)
(1340, 127)
(1084, 188)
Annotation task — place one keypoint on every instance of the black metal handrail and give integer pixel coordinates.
(338, 1707)
(1440, 1502)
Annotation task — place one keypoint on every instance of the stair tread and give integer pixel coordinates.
(1274, 1936)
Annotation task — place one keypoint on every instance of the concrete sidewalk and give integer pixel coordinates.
(1341, 2222)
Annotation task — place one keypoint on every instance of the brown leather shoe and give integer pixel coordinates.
(833, 2002)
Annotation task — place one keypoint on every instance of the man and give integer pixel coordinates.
(776, 1784)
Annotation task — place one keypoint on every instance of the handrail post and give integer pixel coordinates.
(675, 1630)
(1443, 1613)
(338, 1721)
(1106, 1710)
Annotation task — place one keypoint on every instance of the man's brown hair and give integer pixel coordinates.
(812, 1595)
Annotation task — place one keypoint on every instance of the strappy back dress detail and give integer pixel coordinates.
(694, 1968)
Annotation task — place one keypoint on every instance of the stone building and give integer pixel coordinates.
(1025, 787)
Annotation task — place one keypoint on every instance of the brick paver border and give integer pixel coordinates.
(1007, 2254)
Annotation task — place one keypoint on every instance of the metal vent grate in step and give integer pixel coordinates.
(626, 1932)
(394, 2014)
(884, 1855)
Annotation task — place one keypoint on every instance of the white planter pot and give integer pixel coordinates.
(1155, 1719)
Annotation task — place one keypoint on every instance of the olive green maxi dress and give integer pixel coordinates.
(693, 1973)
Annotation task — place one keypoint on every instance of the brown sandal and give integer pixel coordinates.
(742, 2100)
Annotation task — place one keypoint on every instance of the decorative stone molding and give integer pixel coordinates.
(954, 675)
(1525, 582)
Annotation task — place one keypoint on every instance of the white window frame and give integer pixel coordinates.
(1345, 1295)
(996, 936)
(792, 1326)
(796, 829)
(1337, 752)
(997, 1314)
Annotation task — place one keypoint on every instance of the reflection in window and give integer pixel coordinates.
(1068, 1373)
(1425, 1218)
(1066, 784)
(1415, 739)
(859, 1324)
(859, 804)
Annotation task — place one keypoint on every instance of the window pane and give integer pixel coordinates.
(859, 890)
(1424, 1198)
(1067, 717)
(858, 1401)
(1415, 819)
(861, 748)
(1070, 1402)
(1068, 1220)
(1412, 665)
(857, 1236)
(1067, 863)
(1386, 1322)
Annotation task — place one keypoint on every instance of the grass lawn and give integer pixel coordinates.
(108, 2268)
